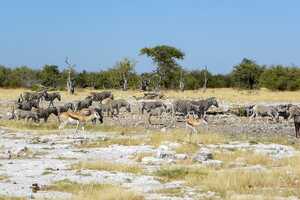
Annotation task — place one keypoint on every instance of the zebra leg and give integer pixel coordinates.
(51, 104)
(297, 128)
(58, 118)
(252, 116)
(149, 119)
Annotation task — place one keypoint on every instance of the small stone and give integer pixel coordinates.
(203, 154)
(35, 187)
(152, 161)
(164, 152)
(213, 163)
(163, 130)
(181, 156)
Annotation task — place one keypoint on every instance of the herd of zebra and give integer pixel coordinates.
(28, 107)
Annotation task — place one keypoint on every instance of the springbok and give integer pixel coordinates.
(80, 118)
(192, 122)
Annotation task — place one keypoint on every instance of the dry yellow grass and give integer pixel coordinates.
(139, 156)
(225, 182)
(171, 192)
(22, 125)
(3, 177)
(281, 177)
(277, 181)
(239, 96)
(111, 141)
(181, 135)
(111, 193)
(108, 166)
(94, 191)
(223, 94)
(11, 198)
(247, 157)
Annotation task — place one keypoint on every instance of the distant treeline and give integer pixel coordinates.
(242, 76)
(246, 75)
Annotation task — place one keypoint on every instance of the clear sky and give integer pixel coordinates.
(95, 34)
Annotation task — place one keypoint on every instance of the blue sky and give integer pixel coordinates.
(96, 34)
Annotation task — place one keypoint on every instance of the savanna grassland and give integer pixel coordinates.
(223, 94)
(230, 158)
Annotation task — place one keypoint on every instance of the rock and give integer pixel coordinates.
(203, 154)
(208, 195)
(45, 140)
(255, 168)
(9, 154)
(213, 163)
(276, 151)
(181, 156)
(152, 161)
(35, 140)
(22, 152)
(246, 197)
(174, 184)
(164, 152)
(163, 130)
(35, 187)
(171, 145)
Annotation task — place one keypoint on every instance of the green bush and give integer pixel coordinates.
(281, 78)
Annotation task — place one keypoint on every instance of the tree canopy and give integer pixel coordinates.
(168, 74)
(246, 74)
(165, 57)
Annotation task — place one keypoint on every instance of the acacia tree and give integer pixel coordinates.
(165, 58)
(124, 69)
(247, 74)
(49, 76)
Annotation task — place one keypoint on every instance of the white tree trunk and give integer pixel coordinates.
(205, 80)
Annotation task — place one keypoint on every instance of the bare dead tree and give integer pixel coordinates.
(181, 82)
(158, 82)
(205, 79)
(125, 82)
(70, 84)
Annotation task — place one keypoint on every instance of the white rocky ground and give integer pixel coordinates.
(28, 158)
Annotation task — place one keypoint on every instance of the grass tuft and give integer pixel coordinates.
(108, 166)
(110, 141)
(94, 191)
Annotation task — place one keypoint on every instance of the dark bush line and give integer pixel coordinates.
(246, 75)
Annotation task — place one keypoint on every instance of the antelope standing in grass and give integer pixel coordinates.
(80, 118)
(191, 122)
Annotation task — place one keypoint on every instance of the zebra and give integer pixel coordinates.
(150, 105)
(27, 105)
(204, 105)
(118, 104)
(186, 107)
(51, 97)
(29, 96)
(100, 96)
(87, 102)
(297, 125)
(43, 113)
